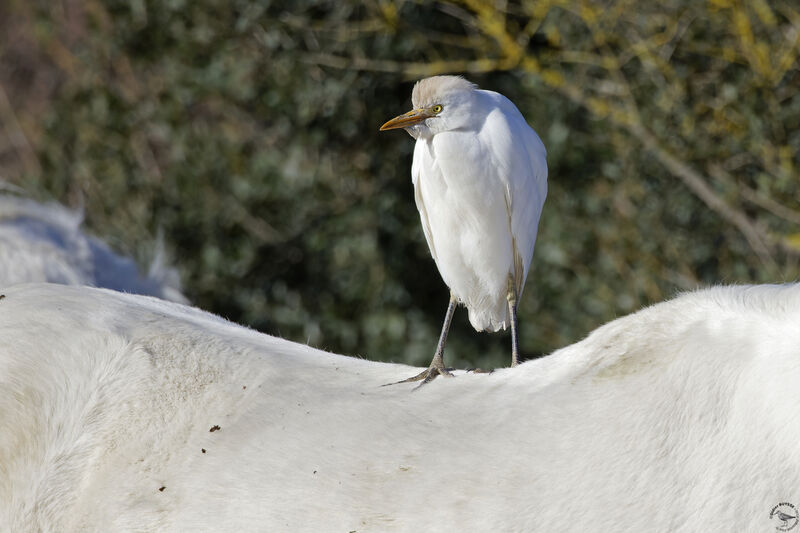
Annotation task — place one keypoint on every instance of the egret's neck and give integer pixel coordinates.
(420, 131)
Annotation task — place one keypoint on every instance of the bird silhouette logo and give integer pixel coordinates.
(785, 515)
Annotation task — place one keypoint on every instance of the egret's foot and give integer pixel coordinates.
(479, 371)
(426, 376)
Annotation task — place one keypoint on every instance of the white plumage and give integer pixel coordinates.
(480, 181)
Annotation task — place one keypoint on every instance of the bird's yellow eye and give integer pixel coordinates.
(437, 109)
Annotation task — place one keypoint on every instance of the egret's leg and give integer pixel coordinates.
(512, 311)
(438, 357)
(437, 364)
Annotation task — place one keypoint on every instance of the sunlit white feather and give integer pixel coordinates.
(480, 182)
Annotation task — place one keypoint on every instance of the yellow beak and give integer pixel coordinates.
(405, 120)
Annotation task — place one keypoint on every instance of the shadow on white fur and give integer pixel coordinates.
(682, 417)
(44, 243)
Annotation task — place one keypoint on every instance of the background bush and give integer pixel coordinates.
(246, 134)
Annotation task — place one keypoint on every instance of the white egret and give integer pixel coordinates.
(480, 181)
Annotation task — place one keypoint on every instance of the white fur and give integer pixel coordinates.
(682, 417)
(45, 243)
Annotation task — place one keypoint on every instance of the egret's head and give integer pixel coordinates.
(441, 103)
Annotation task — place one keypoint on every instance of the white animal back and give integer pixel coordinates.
(682, 417)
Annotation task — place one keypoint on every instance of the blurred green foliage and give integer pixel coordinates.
(246, 132)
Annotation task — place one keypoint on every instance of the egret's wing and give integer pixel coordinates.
(417, 171)
(521, 161)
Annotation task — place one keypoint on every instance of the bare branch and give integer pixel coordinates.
(754, 197)
(17, 136)
(413, 69)
(695, 182)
